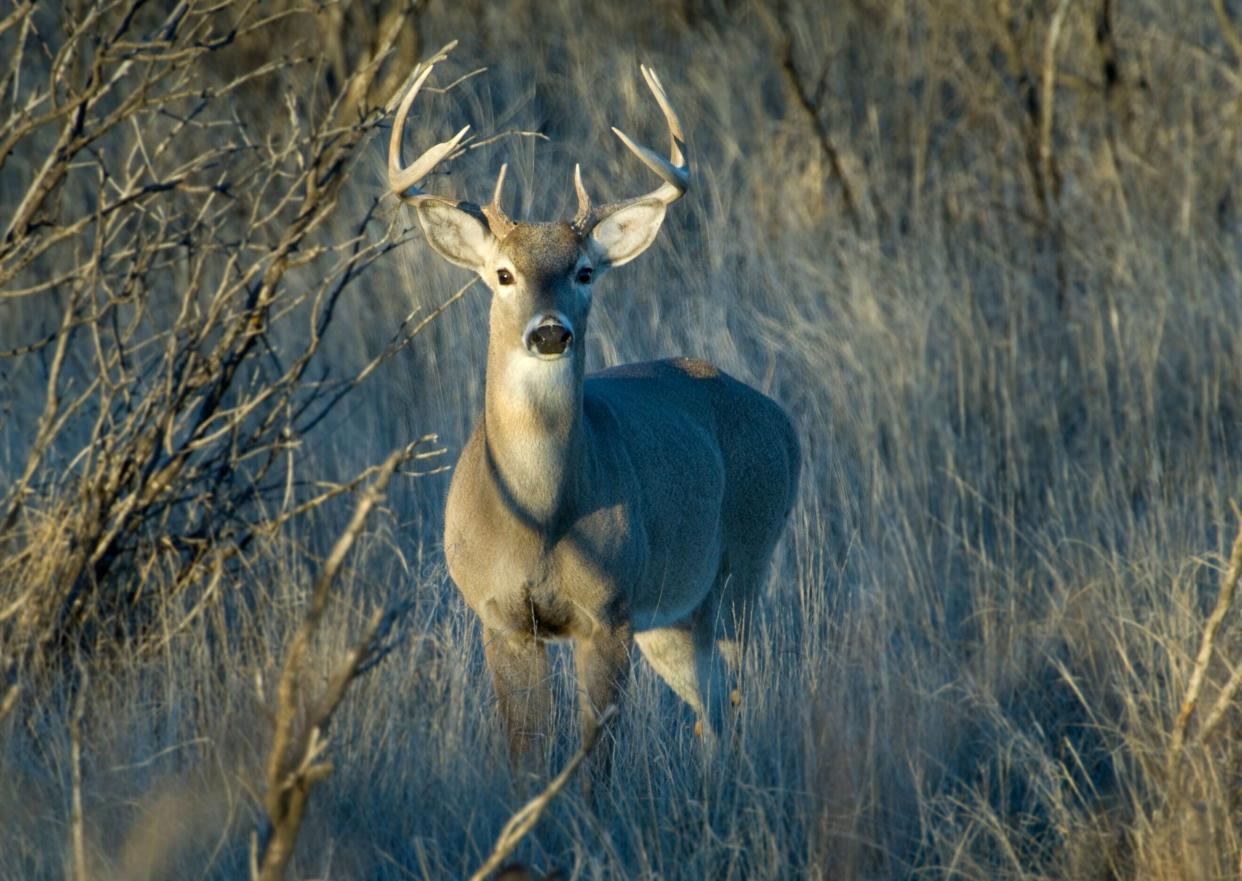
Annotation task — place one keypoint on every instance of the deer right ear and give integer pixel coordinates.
(455, 233)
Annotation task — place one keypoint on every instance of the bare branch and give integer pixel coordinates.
(1048, 84)
(77, 825)
(809, 102)
(295, 761)
(1228, 29)
(9, 701)
(520, 824)
(1207, 644)
(191, 269)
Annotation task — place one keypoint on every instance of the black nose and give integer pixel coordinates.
(549, 338)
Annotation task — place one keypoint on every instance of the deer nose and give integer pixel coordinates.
(549, 336)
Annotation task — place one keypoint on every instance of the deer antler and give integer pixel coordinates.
(404, 181)
(674, 171)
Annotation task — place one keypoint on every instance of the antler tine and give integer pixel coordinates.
(499, 189)
(583, 217)
(404, 181)
(500, 223)
(674, 171)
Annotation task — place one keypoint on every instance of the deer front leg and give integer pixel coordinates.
(519, 667)
(602, 661)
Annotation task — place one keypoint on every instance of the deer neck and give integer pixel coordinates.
(532, 425)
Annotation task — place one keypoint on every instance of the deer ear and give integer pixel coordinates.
(626, 233)
(456, 234)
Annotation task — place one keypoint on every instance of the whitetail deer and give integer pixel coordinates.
(639, 503)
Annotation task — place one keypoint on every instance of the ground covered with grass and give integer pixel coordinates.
(989, 258)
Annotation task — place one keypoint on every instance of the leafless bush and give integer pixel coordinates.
(185, 251)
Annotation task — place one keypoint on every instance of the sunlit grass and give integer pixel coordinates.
(1021, 442)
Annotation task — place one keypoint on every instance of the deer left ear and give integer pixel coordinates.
(626, 233)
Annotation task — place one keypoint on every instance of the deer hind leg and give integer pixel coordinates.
(730, 648)
(738, 587)
(519, 668)
(685, 657)
(672, 654)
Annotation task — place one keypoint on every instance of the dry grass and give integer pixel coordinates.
(989, 257)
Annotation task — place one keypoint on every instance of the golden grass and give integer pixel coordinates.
(988, 649)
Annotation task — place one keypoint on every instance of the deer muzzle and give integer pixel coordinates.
(550, 337)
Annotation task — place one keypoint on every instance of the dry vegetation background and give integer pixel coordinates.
(988, 253)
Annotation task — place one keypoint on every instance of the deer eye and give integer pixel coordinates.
(504, 276)
(584, 275)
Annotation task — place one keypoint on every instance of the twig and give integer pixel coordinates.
(810, 105)
(1206, 645)
(1224, 703)
(1048, 84)
(400, 339)
(9, 701)
(295, 762)
(525, 819)
(77, 820)
(1228, 29)
(476, 143)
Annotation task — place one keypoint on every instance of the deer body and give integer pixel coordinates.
(639, 504)
(621, 522)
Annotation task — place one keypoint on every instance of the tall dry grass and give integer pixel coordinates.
(988, 254)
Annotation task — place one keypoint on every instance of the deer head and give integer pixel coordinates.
(540, 274)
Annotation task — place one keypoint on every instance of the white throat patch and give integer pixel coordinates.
(543, 385)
